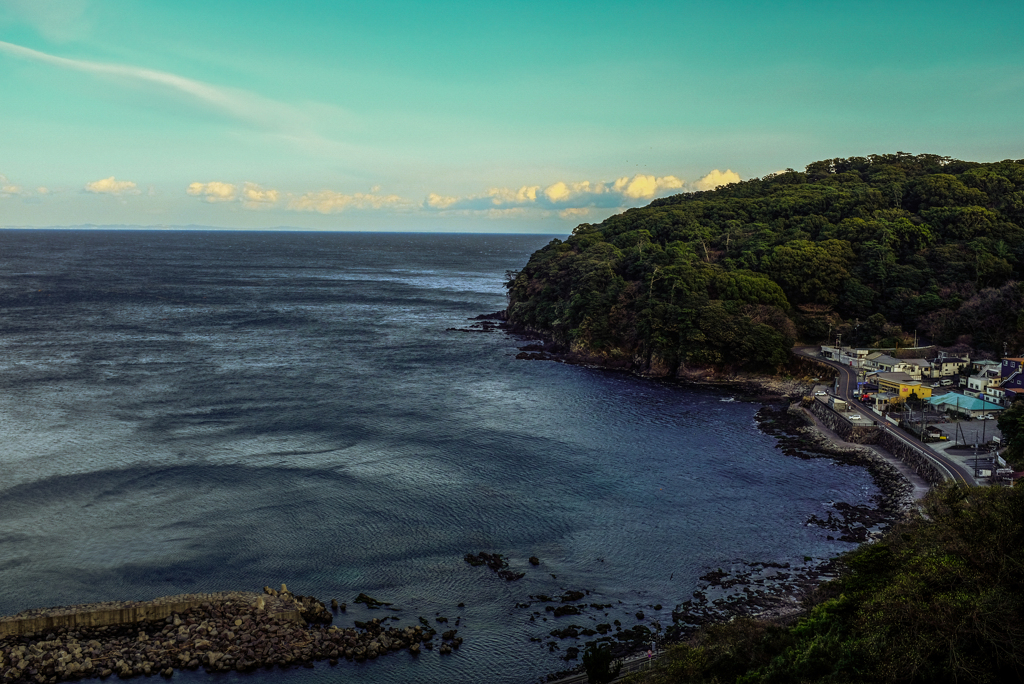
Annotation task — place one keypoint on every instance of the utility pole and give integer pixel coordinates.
(924, 421)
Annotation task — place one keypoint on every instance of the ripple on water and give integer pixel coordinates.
(311, 421)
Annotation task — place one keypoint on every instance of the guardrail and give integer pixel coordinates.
(629, 666)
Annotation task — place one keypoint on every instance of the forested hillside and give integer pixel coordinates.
(939, 599)
(876, 247)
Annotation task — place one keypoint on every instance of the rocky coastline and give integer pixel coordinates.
(750, 386)
(223, 632)
(762, 590)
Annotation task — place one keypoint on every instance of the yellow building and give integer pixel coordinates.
(901, 386)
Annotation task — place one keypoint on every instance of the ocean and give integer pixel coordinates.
(190, 411)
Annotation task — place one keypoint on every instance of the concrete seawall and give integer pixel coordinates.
(845, 428)
(113, 613)
(911, 455)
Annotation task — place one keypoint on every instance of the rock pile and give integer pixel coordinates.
(236, 633)
(496, 562)
(310, 608)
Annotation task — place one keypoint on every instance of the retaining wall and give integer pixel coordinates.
(847, 429)
(125, 612)
(872, 434)
(912, 456)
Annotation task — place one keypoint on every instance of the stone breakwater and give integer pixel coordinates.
(239, 631)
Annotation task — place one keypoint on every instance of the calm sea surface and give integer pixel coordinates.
(193, 411)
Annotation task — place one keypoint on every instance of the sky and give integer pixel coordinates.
(518, 116)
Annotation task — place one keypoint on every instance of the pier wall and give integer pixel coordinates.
(126, 612)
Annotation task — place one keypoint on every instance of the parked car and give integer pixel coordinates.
(820, 394)
(854, 416)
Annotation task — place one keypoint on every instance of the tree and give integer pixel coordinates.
(597, 660)
(1011, 424)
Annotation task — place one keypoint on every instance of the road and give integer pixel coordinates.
(632, 664)
(848, 382)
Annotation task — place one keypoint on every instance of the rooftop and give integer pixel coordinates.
(902, 378)
(964, 402)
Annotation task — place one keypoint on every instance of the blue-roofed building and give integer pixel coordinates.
(972, 407)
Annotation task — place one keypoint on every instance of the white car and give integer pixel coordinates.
(854, 416)
(820, 394)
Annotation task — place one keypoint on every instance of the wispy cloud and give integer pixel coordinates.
(112, 186)
(238, 104)
(55, 19)
(330, 202)
(7, 188)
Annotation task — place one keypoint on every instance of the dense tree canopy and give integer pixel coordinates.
(734, 276)
(939, 599)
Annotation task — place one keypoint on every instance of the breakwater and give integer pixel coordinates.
(239, 631)
(111, 613)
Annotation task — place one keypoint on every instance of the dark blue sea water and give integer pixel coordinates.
(186, 411)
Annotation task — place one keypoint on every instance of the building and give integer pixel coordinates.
(880, 362)
(901, 386)
(946, 365)
(980, 366)
(845, 355)
(915, 368)
(1012, 372)
(995, 394)
(978, 385)
(972, 407)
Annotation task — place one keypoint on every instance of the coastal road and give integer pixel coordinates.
(632, 664)
(847, 386)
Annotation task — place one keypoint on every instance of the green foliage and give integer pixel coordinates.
(597, 661)
(914, 238)
(1011, 424)
(939, 599)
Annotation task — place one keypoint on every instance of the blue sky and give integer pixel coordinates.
(519, 116)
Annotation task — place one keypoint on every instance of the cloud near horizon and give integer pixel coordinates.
(330, 202)
(8, 188)
(214, 191)
(256, 197)
(112, 186)
(568, 199)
